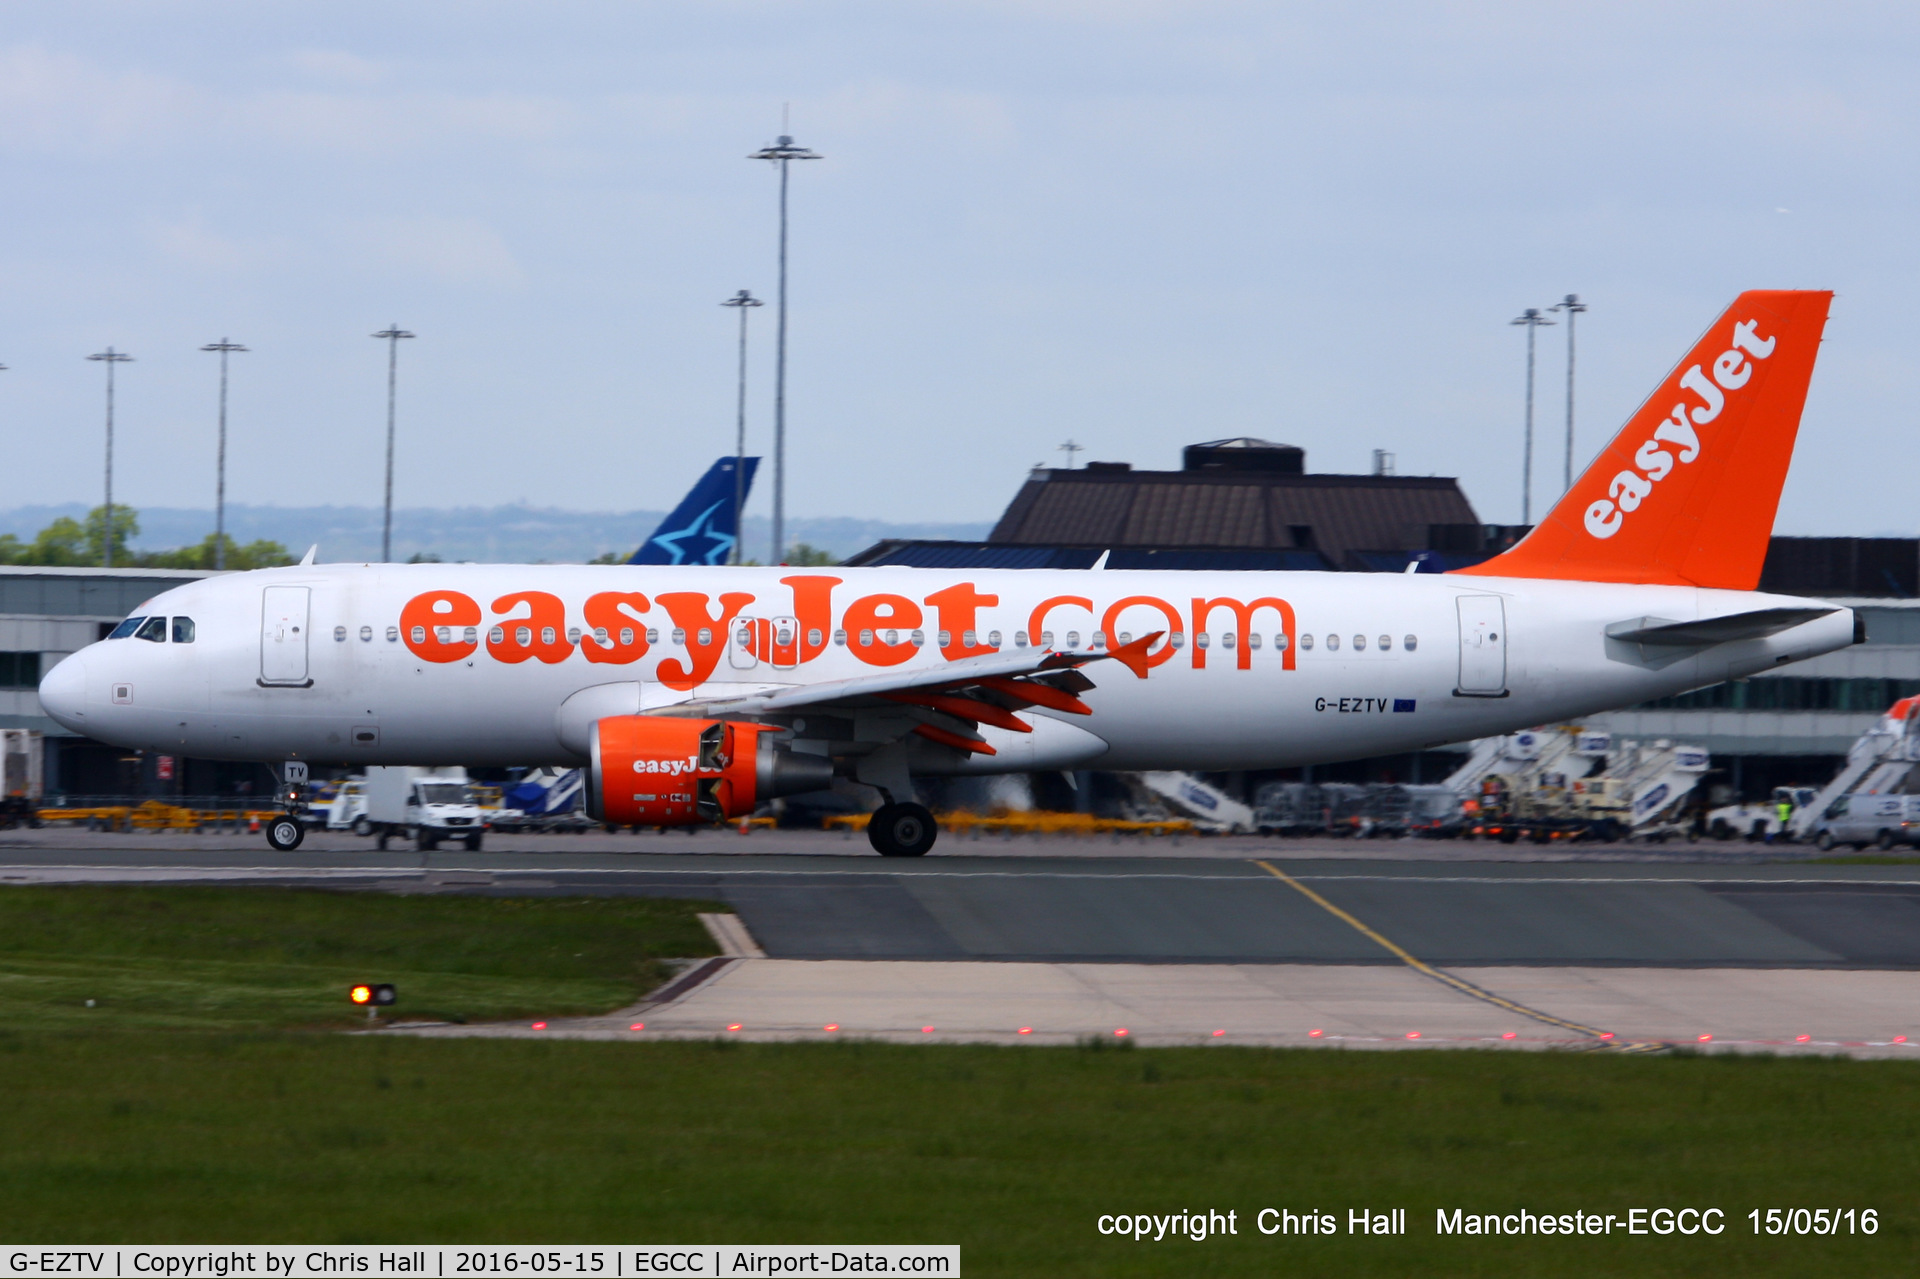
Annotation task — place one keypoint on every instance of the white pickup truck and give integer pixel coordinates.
(1760, 823)
(426, 805)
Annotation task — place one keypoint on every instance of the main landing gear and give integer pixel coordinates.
(902, 830)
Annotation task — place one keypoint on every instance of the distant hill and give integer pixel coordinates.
(503, 534)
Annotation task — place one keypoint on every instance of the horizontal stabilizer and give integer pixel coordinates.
(1706, 632)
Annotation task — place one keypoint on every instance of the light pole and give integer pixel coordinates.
(220, 467)
(1573, 306)
(391, 335)
(109, 357)
(780, 153)
(1533, 319)
(742, 302)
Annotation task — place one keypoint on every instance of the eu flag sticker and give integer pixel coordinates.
(1401, 704)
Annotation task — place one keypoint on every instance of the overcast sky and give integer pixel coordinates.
(1138, 225)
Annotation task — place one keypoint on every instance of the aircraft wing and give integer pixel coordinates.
(950, 699)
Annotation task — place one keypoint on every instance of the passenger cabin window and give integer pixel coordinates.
(154, 628)
(183, 630)
(126, 628)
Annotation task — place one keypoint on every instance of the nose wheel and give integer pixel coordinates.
(902, 830)
(285, 833)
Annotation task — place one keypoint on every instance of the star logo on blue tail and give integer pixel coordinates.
(699, 542)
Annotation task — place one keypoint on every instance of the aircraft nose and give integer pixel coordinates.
(63, 693)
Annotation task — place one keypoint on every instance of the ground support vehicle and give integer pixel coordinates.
(1881, 762)
(1885, 821)
(349, 804)
(426, 805)
(547, 800)
(1762, 823)
(1569, 782)
(1207, 807)
(1433, 811)
(22, 761)
(1289, 808)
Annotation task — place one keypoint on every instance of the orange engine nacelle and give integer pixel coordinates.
(650, 770)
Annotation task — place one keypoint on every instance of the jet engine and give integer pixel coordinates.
(651, 770)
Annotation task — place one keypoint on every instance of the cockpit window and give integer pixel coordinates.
(183, 630)
(154, 628)
(126, 628)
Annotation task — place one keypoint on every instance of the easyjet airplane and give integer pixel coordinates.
(693, 693)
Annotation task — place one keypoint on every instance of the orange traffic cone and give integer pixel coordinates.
(253, 825)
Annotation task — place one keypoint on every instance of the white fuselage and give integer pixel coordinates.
(332, 675)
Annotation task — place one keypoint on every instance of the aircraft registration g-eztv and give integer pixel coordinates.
(693, 693)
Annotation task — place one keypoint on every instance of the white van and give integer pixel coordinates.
(426, 805)
(1883, 820)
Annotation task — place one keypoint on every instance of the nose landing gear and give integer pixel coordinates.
(286, 830)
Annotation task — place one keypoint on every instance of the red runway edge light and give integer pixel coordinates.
(377, 994)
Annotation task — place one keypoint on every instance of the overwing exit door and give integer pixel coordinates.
(744, 652)
(1483, 646)
(283, 635)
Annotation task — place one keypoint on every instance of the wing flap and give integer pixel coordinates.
(1032, 676)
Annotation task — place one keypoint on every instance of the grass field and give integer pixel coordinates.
(256, 958)
(117, 1133)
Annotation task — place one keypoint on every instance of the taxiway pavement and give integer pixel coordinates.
(1264, 940)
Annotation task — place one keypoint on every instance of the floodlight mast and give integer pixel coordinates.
(1533, 319)
(781, 152)
(742, 302)
(109, 357)
(392, 335)
(225, 347)
(1573, 306)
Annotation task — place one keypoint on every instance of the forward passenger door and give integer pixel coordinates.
(283, 636)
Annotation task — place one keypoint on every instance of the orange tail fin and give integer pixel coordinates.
(1685, 494)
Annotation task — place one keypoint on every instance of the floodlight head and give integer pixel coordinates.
(784, 149)
(223, 345)
(1531, 316)
(393, 332)
(111, 356)
(1570, 304)
(743, 298)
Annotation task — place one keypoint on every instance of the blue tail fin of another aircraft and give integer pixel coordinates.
(705, 526)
